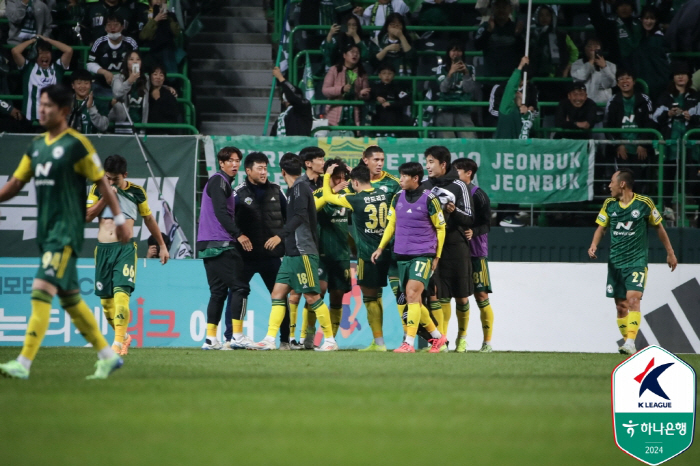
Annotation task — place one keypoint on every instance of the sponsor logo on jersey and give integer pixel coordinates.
(625, 225)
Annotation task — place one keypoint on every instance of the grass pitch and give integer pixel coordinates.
(191, 407)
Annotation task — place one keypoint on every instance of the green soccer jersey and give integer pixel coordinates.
(60, 167)
(332, 230)
(132, 201)
(387, 183)
(628, 226)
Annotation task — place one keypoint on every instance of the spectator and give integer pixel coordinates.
(28, 19)
(501, 40)
(514, 118)
(595, 72)
(622, 34)
(85, 117)
(153, 247)
(346, 81)
(394, 46)
(107, 55)
(377, 14)
(12, 120)
(131, 89)
(350, 31)
(576, 112)
(98, 13)
(392, 101)
(651, 56)
(629, 109)
(296, 118)
(159, 34)
(496, 97)
(162, 102)
(40, 72)
(456, 85)
(552, 52)
(676, 112)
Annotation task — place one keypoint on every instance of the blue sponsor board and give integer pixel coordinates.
(168, 307)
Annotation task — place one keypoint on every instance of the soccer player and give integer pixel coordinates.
(628, 215)
(478, 236)
(370, 208)
(416, 218)
(115, 263)
(299, 269)
(61, 160)
(453, 278)
(219, 241)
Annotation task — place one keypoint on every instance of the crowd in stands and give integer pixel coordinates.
(133, 46)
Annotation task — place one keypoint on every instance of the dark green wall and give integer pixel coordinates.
(554, 244)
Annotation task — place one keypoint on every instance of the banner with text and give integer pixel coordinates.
(173, 160)
(533, 171)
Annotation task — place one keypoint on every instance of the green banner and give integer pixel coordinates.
(173, 160)
(533, 171)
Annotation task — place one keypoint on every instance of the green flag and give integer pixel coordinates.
(307, 82)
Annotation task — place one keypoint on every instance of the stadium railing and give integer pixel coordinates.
(683, 182)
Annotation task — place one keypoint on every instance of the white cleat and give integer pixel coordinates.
(263, 346)
(327, 346)
(226, 346)
(628, 348)
(215, 345)
(244, 342)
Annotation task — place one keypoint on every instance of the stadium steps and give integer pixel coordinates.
(230, 68)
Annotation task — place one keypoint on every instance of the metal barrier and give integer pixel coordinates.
(685, 142)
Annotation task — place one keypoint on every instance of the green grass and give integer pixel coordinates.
(190, 407)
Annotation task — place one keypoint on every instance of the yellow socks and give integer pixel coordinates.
(324, 318)
(425, 319)
(622, 326)
(486, 318)
(446, 306)
(38, 323)
(336, 314)
(412, 321)
(374, 317)
(121, 316)
(634, 320)
(237, 326)
(462, 320)
(436, 311)
(279, 307)
(292, 319)
(84, 320)
(108, 310)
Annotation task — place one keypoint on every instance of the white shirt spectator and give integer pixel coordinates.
(599, 83)
(379, 12)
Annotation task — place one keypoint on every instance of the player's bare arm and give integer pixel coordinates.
(97, 208)
(152, 226)
(597, 236)
(670, 254)
(124, 228)
(11, 188)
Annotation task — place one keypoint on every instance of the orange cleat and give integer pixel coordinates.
(125, 345)
(405, 348)
(437, 344)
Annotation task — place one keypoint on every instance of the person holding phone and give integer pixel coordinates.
(456, 85)
(159, 34)
(131, 89)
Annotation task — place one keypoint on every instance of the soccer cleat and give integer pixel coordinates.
(263, 346)
(461, 346)
(284, 346)
(14, 370)
(117, 348)
(628, 348)
(486, 348)
(445, 348)
(374, 347)
(244, 342)
(226, 346)
(294, 345)
(437, 344)
(125, 345)
(309, 340)
(405, 348)
(104, 367)
(327, 346)
(214, 346)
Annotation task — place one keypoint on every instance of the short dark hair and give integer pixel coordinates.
(226, 152)
(307, 154)
(360, 174)
(255, 157)
(441, 154)
(466, 165)
(412, 169)
(626, 175)
(152, 240)
(114, 18)
(341, 169)
(595, 39)
(81, 75)
(59, 94)
(43, 46)
(624, 72)
(291, 164)
(161, 67)
(115, 164)
(386, 65)
(367, 153)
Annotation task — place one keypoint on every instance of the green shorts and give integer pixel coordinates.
(58, 267)
(336, 274)
(620, 281)
(417, 268)
(115, 267)
(480, 274)
(373, 275)
(301, 273)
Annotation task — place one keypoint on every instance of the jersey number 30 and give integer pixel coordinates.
(377, 216)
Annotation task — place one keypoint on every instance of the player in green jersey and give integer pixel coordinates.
(628, 216)
(370, 207)
(115, 263)
(61, 160)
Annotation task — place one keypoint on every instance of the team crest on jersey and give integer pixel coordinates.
(384, 188)
(57, 152)
(609, 289)
(320, 271)
(98, 285)
(635, 214)
(248, 200)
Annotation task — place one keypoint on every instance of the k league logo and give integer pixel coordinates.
(653, 401)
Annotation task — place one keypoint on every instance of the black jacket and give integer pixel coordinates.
(665, 103)
(615, 112)
(298, 119)
(449, 188)
(300, 232)
(398, 99)
(587, 112)
(260, 214)
(482, 211)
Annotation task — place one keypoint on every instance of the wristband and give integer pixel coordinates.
(119, 220)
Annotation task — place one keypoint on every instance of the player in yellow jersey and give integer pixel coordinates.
(60, 161)
(628, 215)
